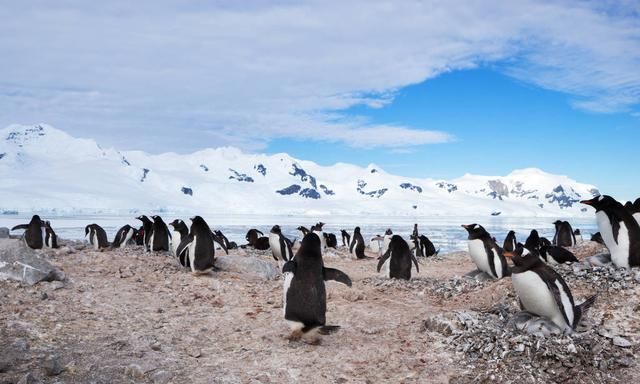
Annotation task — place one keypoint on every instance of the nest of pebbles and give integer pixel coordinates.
(605, 278)
(442, 288)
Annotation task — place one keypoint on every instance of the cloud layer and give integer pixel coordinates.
(185, 75)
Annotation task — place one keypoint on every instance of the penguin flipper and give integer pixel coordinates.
(581, 309)
(383, 259)
(289, 266)
(336, 275)
(550, 277)
(21, 226)
(221, 243)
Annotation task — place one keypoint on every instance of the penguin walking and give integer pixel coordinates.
(123, 236)
(485, 253)
(50, 237)
(556, 255)
(147, 229)
(196, 251)
(32, 232)
(356, 247)
(304, 293)
(510, 242)
(619, 230)
(160, 236)
(564, 236)
(252, 236)
(97, 236)
(279, 244)
(400, 258)
(346, 238)
(542, 291)
(427, 249)
(180, 232)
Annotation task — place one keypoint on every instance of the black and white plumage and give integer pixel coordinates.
(356, 247)
(398, 265)
(564, 236)
(123, 236)
(415, 238)
(634, 209)
(542, 291)
(619, 230)
(578, 236)
(485, 253)
(556, 255)
(147, 229)
(427, 249)
(280, 245)
(180, 232)
(330, 239)
(317, 229)
(346, 238)
(97, 236)
(252, 236)
(386, 240)
(510, 242)
(160, 236)
(33, 232)
(50, 237)
(304, 293)
(597, 237)
(223, 239)
(533, 241)
(196, 251)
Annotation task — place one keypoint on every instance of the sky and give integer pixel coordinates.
(420, 88)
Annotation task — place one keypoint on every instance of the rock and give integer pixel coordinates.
(52, 366)
(28, 379)
(5, 364)
(21, 263)
(161, 377)
(134, 370)
(55, 285)
(619, 341)
(251, 266)
(439, 323)
(156, 346)
(4, 233)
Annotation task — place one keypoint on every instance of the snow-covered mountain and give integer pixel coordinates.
(45, 170)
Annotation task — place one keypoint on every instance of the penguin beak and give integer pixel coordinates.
(587, 202)
(465, 226)
(508, 254)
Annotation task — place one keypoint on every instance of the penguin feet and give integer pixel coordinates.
(295, 335)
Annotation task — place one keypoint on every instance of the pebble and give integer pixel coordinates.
(52, 366)
(161, 377)
(134, 370)
(622, 342)
(28, 379)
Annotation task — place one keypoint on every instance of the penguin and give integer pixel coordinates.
(545, 242)
(123, 236)
(346, 238)
(564, 236)
(160, 236)
(262, 243)
(542, 291)
(252, 236)
(330, 240)
(356, 247)
(138, 236)
(634, 209)
(386, 240)
(280, 247)
(533, 241)
(304, 230)
(510, 242)
(147, 226)
(578, 236)
(50, 238)
(32, 232)
(400, 258)
(196, 251)
(97, 236)
(426, 247)
(180, 231)
(619, 230)
(228, 244)
(556, 255)
(485, 253)
(304, 291)
(317, 229)
(597, 237)
(415, 237)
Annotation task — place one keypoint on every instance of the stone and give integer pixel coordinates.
(4, 233)
(21, 263)
(28, 379)
(250, 266)
(52, 366)
(619, 341)
(161, 377)
(134, 370)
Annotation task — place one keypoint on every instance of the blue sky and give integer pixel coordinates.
(422, 88)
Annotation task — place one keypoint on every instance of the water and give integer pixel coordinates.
(445, 232)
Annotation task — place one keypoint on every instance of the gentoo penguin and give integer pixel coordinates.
(386, 240)
(303, 229)
(399, 265)
(510, 242)
(160, 238)
(346, 238)
(330, 240)
(97, 236)
(634, 209)
(578, 236)
(280, 247)
(147, 226)
(597, 237)
(123, 236)
(50, 238)
(415, 237)
(138, 236)
(228, 244)
(543, 292)
(197, 250)
(619, 230)
(533, 241)
(262, 243)
(317, 229)
(252, 236)
(32, 232)
(356, 247)
(545, 242)
(427, 248)
(556, 255)
(304, 293)
(485, 253)
(564, 236)
(180, 231)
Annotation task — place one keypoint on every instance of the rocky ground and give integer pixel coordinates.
(127, 317)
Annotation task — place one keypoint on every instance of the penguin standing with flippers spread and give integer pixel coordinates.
(400, 258)
(304, 293)
(542, 291)
(32, 232)
(485, 253)
(619, 230)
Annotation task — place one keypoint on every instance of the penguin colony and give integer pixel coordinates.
(541, 290)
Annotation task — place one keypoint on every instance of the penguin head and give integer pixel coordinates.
(533, 241)
(175, 223)
(143, 218)
(310, 247)
(157, 218)
(557, 223)
(601, 202)
(475, 230)
(87, 229)
(276, 229)
(577, 232)
(356, 230)
(388, 232)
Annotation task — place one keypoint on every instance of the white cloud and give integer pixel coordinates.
(182, 75)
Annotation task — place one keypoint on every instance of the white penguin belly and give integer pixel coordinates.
(620, 250)
(479, 256)
(288, 276)
(536, 298)
(127, 238)
(95, 240)
(176, 239)
(496, 263)
(192, 254)
(274, 244)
